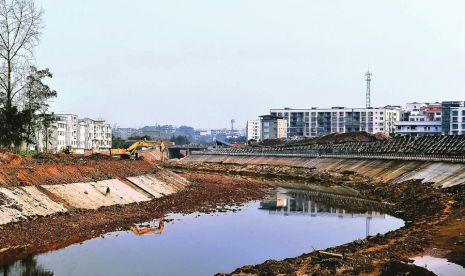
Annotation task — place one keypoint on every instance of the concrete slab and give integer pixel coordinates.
(159, 185)
(93, 195)
(19, 203)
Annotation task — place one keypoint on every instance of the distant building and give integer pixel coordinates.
(272, 127)
(77, 134)
(253, 130)
(315, 122)
(420, 119)
(94, 134)
(453, 117)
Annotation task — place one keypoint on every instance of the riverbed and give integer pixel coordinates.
(287, 225)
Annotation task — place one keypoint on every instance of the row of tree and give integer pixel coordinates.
(24, 115)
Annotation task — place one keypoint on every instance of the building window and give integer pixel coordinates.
(455, 126)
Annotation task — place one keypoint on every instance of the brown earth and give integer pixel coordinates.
(18, 170)
(336, 138)
(209, 193)
(434, 222)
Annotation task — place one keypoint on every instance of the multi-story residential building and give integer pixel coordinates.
(77, 134)
(94, 134)
(272, 127)
(322, 121)
(70, 122)
(453, 117)
(420, 119)
(253, 130)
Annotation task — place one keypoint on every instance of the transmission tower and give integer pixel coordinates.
(368, 93)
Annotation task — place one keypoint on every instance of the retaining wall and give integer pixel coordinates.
(17, 203)
(444, 174)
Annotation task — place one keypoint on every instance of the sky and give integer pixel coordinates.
(204, 62)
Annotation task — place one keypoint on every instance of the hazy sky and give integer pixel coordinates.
(201, 63)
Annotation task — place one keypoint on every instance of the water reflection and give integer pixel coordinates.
(203, 244)
(27, 267)
(148, 228)
(315, 203)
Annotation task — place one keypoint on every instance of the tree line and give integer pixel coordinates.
(24, 97)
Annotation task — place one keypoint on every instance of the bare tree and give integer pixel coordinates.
(20, 26)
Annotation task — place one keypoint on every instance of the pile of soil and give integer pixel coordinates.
(333, 138)
(17, 170)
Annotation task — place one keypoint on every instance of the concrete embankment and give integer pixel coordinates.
(443, 174)
(57, 184)
(18, 203)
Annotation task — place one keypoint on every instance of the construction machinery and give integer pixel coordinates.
(149, 230)
(132, 152)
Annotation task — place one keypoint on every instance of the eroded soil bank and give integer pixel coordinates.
(433, 218)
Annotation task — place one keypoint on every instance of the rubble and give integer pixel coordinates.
(360, 143)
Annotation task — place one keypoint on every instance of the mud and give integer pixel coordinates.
(433, 222)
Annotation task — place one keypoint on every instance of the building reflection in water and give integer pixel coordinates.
(28, 266)
(309, 203)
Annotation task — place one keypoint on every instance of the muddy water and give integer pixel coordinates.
(202, 244)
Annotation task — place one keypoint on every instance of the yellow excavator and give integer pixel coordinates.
(149, 230)
(133, 150)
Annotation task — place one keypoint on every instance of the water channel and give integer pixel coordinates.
(292, 223)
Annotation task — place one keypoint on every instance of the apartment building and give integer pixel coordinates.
(315, 122)
(94, 134)
(272, 127)
(78, 134)
(253, 130)
(453, 117)
(420, 119)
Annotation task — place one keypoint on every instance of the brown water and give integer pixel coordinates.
(203, 244)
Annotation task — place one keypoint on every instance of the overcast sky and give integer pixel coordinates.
(202, 63)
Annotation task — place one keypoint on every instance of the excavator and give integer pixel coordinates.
(132, 152)
(149, 230)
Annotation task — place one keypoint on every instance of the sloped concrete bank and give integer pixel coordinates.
(17, 203)
(442, 174)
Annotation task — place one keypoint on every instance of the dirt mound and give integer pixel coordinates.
(350, 137)
(333, 138)
(16, 170)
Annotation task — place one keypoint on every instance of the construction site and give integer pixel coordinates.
(404, 198)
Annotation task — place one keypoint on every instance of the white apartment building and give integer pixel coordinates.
(315, 122)
(253, 130)
(78, 134)
(94, 134)
(420, 119)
